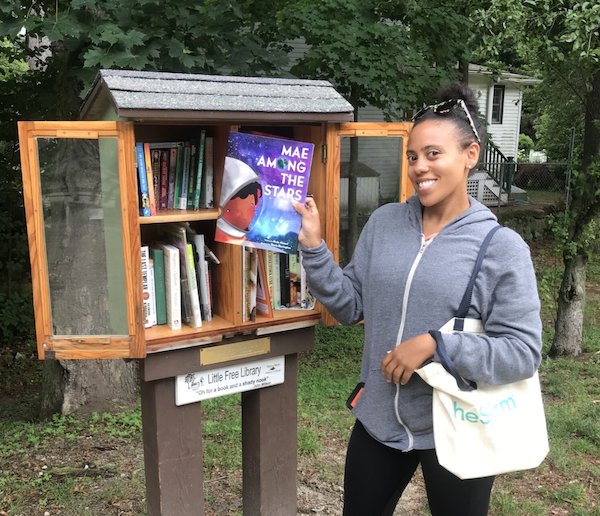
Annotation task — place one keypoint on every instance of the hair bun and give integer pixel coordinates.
(458, 90)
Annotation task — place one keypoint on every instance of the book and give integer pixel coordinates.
(249, 273)
(172, 285)
(150, 179)
(143, 180)
(199, 166)
(158, 260)
(155, 165)
(172, 178)
(175, 234)
(207, 196)
(148, 289)
(192, 180)
(164, 178)
(263, 297)
(261, 177)
(178, 174)
(185, 176)
(294, 287)
(276, 281)
(268, 267)
(198, 245)
(284, 279)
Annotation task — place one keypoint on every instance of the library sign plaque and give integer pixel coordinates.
(194, 387)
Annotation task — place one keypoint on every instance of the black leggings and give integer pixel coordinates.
(376, 475)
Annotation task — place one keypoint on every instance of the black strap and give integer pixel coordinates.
(461, 313)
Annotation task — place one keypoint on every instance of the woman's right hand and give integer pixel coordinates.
(310, 232)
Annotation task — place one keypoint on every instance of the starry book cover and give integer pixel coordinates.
(262, 176)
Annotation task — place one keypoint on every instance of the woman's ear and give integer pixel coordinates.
(473, 151)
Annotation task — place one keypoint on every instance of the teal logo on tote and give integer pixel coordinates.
(486, 414)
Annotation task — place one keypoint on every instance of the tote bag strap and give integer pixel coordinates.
(461, 314)
(465, 304)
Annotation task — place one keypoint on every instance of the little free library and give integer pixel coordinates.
(131, 216)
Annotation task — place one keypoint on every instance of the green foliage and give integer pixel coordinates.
(525, 143)
(392, 56)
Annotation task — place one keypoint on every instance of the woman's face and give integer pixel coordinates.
(438, 166)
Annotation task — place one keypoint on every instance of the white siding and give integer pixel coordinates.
(506, 134)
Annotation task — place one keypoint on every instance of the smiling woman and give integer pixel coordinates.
(409, 270)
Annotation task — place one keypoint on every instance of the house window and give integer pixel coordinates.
(498, 104)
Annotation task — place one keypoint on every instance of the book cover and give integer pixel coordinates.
(172, 285)
(199, 168)
(157, 256)
(207, 196)
(143, 180)
(262, 175)
(150, 179)
(263, 297)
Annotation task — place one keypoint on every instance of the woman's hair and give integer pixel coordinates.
(456, 90)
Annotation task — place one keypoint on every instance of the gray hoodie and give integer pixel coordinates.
(373, 287)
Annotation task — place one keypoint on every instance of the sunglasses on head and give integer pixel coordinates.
(444, 108)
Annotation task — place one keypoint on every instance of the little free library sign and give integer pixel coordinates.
(194, 387)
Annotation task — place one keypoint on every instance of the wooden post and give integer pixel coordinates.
(173, 455)
(269, 446)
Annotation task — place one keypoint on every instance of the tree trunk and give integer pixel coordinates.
(586, 206)
(571, 303)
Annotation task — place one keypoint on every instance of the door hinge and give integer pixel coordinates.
(325, 153)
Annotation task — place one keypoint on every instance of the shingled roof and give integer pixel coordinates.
(133, 94)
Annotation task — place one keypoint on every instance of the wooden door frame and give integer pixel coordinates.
(78, 347)
(332, 177)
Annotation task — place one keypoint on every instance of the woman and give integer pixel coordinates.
(408, 273)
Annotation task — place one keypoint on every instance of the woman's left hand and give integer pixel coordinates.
(400, 363)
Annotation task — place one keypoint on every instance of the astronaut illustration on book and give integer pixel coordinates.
(240, 198)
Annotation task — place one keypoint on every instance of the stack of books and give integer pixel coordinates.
(177, 278)
(175, 175)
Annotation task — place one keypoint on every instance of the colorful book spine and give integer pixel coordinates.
(155, 164)
(252, 283)
(185, 176)
(268, 266)
(143, 180)
(164, 179)
(150, 179)
(178, 175)
(147, 281)
(207, 196)
(172, 286)
(199, 168)
(192, 181)
(158, 259)
(172, 178)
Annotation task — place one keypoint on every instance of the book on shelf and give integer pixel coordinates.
(172, 285)
(249, 273)
(268, 268)
(185, 176)
(148, 288)
(178, 173)
(284, 279)
(201, 263)
(150, 179)
(164, 178)
(175, 234)
(263, 296)
(173, 154)
(294, 288)
(142, 180)
(154, 160)
(158, 261)
(207, 195)
(192, 180)
(276, 280)
(198, 170)
(261, 177)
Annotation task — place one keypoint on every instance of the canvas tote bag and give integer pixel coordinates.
(483, 430)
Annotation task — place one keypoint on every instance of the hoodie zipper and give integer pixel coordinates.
(424, 244)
